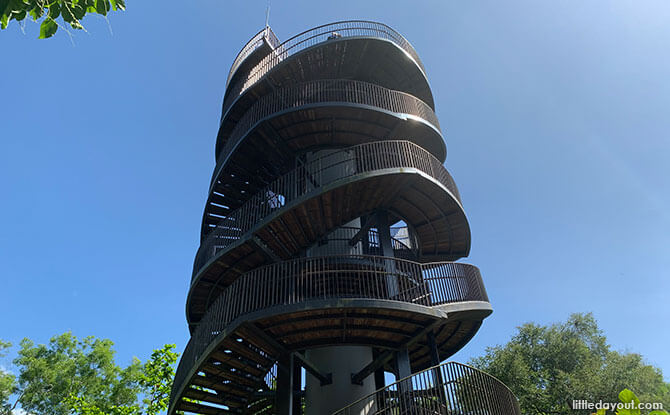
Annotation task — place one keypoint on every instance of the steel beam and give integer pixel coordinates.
(387, 355)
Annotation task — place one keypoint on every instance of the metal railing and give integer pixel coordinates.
(334, 277)
(448, 389)
(265, 35)
(311, 37)
(310, 178)
(339, 242)
(325, 91)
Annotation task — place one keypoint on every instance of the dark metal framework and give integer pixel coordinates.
(304, 40)
(325, 141)
(343, 167)
(449, 388)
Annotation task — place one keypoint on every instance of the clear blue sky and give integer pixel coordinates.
(556, 116)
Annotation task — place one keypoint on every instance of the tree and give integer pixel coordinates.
(49, 374)
(71, 12)
(71, 376)
(156, 378)
(547, 367)
(7, 383)
(156, 381)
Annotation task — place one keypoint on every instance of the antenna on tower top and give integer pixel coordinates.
(267, 15)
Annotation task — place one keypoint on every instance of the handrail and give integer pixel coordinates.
(266, 34)
(403, 247)
(324, 91)
(311, 37)
(312, 176)
(318, 278)
(449, 388)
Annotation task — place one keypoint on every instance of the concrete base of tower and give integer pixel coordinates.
(341, 361)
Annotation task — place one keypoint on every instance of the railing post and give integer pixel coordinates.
(384, 233)
(437, 374)
(379, 383)
(404, 387)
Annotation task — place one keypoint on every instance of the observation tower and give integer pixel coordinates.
(328, 240)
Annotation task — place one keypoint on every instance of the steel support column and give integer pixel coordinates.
(384, 232)
(285, 385)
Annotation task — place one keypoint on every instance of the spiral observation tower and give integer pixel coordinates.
(325, 282)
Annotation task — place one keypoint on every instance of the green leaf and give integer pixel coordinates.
(11, 9)
(36, 13)
(79, 11)
(54, 11)
(121, 4)
(48, 28)
(76, 25)
(4, 12)
(15, 6)
(627, 396)
(67, 14)
(102, 7)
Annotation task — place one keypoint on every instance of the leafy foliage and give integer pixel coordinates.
(156, 378)
(72, 376)
(547, 367)
(7, 383)
(81, 406)
(49, 374)
(51, 12)
(627, 396)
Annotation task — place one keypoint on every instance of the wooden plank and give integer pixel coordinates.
(238, 362)
(224, 388)
(243, 350)
(222, 373)
(201, 409)
(203, 395)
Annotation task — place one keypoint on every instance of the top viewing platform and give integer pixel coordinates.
(356, 49)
